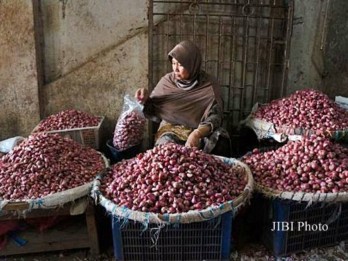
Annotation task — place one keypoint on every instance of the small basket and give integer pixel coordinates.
(87, 136)
(281, 133)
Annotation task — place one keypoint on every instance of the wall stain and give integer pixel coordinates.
(18, 70)
(64, 3)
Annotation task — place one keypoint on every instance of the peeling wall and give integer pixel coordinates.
(74, 31)
(319, 47)
(303, 72)
(93, 53)
(96, 51)
(336, 50)
(19, 102)
(99, 86)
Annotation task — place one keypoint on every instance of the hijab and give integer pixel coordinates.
(189, 56)
(184, 102)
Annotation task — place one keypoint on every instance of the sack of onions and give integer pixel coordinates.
(310, 169)
(172, 183)
(130, 126)
(48, 170)
(304, 112)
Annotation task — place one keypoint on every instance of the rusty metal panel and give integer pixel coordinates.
(244, 43)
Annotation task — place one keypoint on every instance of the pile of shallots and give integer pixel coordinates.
(129, 130)
(313, 164)
(307, 109)
(44, 164)
(172, 178)
(68, 119)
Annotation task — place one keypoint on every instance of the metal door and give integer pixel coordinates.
(244, 43)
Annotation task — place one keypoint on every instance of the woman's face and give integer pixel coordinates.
(180, 72)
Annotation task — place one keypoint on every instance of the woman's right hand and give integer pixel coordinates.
(142, 95)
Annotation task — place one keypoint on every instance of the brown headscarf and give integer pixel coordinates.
(188, 107)
(189, 56)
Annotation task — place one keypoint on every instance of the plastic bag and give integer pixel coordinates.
(7, 145)
(342, 101)
(130, 126)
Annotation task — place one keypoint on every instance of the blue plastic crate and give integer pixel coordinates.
(116, 155)
(299, 227)
(207, 240)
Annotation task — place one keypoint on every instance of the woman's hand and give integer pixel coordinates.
(142, 95)
(193, 139)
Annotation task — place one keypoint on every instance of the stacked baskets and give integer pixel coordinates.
(297, 219)
(299, 115)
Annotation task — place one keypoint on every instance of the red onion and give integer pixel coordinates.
(296, 167)
(175, 173)
(129, 130)
(68, 119)
(44, 164)
(307, 109)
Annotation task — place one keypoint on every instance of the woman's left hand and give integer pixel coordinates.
(193, 139)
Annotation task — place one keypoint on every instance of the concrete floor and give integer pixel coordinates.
(251, 252)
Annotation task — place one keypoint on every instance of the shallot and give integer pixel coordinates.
(129, 130)
(44, 164)
(307, 109)
(172, 178)
(68, 119)
(312, 164)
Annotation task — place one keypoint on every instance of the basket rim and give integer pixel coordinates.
(302, 196)
(289, 131)
(207, 213)
(29, 204)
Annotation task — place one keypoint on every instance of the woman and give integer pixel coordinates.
(187, 103)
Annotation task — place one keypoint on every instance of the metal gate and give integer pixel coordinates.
(244, 43)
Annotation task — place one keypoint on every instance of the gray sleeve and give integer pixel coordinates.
(214, 118)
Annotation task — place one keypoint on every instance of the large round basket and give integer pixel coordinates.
(265, 130)
(186, 217)
(53, 200)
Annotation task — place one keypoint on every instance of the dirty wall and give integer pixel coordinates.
(335, 75)
(92, 52)
(19, 99)
(95, 52)
(319, 47)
